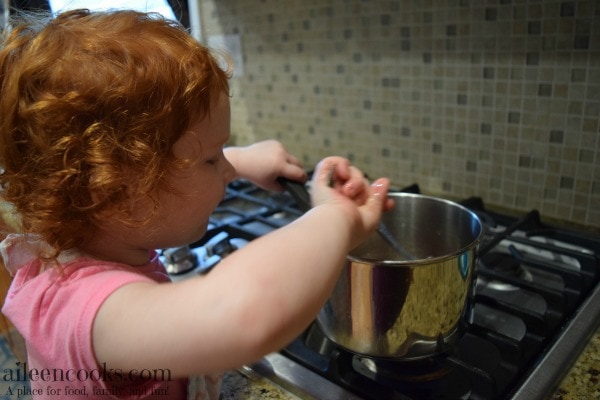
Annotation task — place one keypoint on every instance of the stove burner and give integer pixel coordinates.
(223, 247)
(507, 265)
(217, 248)
(184, 262)
(431, 378)
(179, 260)
(423, 370)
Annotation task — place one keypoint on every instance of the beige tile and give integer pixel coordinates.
(326, 76)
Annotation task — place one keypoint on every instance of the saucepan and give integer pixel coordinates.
(389, 305)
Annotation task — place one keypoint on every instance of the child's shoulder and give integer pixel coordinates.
(21, 255)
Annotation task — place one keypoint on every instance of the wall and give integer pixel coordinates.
(498, 99)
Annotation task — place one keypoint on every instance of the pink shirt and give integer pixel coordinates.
(54, 310)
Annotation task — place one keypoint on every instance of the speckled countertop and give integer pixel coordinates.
(581, 383)
(583, 380)
(239, 385)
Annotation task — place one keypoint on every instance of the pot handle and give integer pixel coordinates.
(298, 192)
(532, 215)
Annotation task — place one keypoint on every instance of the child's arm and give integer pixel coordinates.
(256, 300)
(263, 162)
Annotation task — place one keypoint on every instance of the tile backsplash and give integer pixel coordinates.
(498, 98)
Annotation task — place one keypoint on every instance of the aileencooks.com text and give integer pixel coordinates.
(22, 374)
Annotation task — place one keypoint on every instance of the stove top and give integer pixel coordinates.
(534, 304)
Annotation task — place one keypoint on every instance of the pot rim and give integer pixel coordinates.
(425, 261)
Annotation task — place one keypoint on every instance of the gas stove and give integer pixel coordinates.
(534, 303)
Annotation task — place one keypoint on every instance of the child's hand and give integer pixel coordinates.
(336, 182)
(263, 162)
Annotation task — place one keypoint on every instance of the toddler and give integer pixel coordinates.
(111, 146)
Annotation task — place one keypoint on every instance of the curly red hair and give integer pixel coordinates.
(91, 105)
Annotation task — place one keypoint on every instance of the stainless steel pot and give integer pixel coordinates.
(385, 306)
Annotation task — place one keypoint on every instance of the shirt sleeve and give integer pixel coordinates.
(55, 311)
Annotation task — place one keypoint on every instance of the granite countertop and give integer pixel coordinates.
(244, 385)
(581, 382)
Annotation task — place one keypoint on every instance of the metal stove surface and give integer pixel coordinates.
(535, 303)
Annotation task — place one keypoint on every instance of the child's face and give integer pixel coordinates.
(199, 187)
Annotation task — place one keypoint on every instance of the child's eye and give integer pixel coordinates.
(213, 160)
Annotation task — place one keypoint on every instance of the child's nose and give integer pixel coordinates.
(230, 172)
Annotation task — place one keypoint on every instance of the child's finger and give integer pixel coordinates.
(325, 171)
(378, 198)
(356, 185)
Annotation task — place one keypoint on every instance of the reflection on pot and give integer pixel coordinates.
(406, 309)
